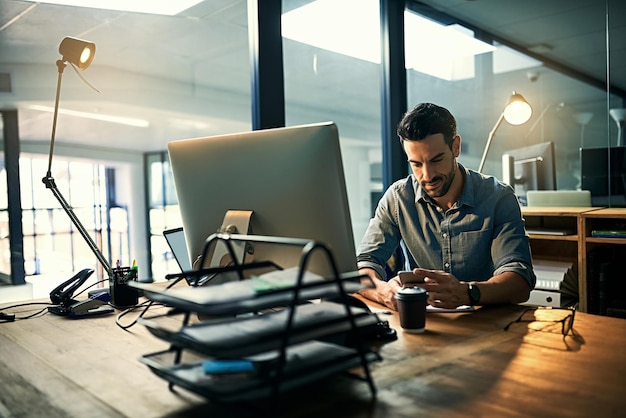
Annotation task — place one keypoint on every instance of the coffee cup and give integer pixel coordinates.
(412, 303)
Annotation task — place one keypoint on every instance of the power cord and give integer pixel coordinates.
(90, 286)
(11, 317)
(146, 305)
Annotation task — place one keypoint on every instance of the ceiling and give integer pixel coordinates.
(188, 75)
(571, 34)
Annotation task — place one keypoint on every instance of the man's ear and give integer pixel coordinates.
(456, 145)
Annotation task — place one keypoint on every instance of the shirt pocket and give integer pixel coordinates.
(476, 254)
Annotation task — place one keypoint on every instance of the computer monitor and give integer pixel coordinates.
(530, 168)
(291, 178)
(595, 166)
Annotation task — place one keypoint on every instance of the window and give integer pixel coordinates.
(53, 247)
(323, 82)
(163, 213)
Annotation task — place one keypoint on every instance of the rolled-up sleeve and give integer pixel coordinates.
(510, 249)
(382, 236)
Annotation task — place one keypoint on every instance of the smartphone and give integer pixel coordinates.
(408, 279)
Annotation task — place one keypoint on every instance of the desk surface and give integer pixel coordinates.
(463, 365)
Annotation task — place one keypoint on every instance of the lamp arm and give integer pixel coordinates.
(61, 66)
(48, 180)
(50, 184)
(489, 139)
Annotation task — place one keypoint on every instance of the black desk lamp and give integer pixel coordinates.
(80, 53)
(516, 112)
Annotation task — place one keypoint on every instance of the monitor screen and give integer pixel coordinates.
(530, 168)
(595, 165)
(291, 178)
(175, 238)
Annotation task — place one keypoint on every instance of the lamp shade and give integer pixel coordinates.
(77, 51)
(517, 110)
(618, 115)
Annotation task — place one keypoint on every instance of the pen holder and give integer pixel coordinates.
(122, 295)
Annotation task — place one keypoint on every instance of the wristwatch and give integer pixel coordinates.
(473, 291)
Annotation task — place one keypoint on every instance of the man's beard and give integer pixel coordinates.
(445, 186)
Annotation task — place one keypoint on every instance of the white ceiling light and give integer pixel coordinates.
(352, 28)
(159, 7)
(139, 123)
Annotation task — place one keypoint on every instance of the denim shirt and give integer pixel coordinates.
(482, 235)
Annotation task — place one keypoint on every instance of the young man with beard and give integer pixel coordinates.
(460, 231)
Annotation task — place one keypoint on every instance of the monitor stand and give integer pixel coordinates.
(235, 222)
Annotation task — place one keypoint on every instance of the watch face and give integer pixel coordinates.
(474, 294)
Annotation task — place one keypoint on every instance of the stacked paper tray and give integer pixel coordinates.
(232, 298)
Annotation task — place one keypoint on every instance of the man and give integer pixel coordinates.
(461, 232)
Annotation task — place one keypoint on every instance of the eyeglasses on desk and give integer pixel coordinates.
(564, 316)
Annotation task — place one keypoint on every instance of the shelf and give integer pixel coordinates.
(553, 237)
(612, 241)
(305, 363)
(233, 298)
(239, 337)
(555, 211)
(581, 245)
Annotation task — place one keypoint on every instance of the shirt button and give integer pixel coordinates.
(446, 265)
(444, 235)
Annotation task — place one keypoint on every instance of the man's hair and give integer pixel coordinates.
(427, 119)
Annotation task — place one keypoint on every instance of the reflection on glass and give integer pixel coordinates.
(338, 79)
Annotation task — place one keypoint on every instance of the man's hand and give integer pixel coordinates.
(384, 292)
(444, 290)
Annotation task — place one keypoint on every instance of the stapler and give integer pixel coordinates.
(96, 304)
(64, 304)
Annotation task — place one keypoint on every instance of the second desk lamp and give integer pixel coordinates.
(516, 112)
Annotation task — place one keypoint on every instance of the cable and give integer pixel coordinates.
(146, 304)
(10, 317)
(90, 286)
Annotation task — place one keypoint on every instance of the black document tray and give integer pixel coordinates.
(238, 337)
(305, 363)
(251, 295)
(287, 349)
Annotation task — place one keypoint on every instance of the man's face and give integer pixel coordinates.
(433, 163)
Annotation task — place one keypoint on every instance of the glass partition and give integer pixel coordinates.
(476, 80)
(334, 74)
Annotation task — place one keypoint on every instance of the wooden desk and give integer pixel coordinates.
(463, 365)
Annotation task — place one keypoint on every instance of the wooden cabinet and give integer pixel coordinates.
(602, 256)
(566, 234)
